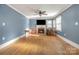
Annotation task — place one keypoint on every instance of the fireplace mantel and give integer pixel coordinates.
(41, 29)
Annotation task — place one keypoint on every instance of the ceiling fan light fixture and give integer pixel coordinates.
(40, 12)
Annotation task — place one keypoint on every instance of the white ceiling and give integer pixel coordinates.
(28, 9)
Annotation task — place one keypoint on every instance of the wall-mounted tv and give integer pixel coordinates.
(41, 22)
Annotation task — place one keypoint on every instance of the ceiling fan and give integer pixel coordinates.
(40, 12)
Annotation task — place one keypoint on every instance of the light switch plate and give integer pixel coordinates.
(76, 23)
(3, 24)
(3, 38)
(64, 34)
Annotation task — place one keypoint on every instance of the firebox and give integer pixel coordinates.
(41, 31)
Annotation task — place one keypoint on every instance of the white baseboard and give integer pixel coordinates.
(69, 42)
(10, 42)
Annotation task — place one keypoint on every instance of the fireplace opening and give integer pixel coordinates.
(41, 31)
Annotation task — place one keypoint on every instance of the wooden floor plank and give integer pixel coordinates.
(40, 45)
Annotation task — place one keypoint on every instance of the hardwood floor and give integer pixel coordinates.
(39, 45)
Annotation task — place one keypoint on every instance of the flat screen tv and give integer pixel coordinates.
(41, 22)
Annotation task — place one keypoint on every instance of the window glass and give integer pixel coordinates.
(58, 23)
(49, 23)
(54, 24)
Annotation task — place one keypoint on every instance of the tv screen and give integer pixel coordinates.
(41, 22)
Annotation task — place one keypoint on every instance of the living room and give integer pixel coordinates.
(39, 29)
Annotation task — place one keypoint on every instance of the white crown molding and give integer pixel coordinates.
(69, 41)
(16, 10)
(63, 10)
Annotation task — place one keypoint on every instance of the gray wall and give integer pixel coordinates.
(15, 23)
(32, 23)
(69, 28)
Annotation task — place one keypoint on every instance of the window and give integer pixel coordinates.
(49, 23)
(58, 23)
(54, 24)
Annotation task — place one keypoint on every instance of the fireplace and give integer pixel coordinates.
(41, 31)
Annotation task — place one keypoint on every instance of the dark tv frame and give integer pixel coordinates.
(40, 22)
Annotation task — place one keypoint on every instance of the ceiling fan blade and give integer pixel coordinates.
(45, 14)
(37, 11)
(43, 11)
